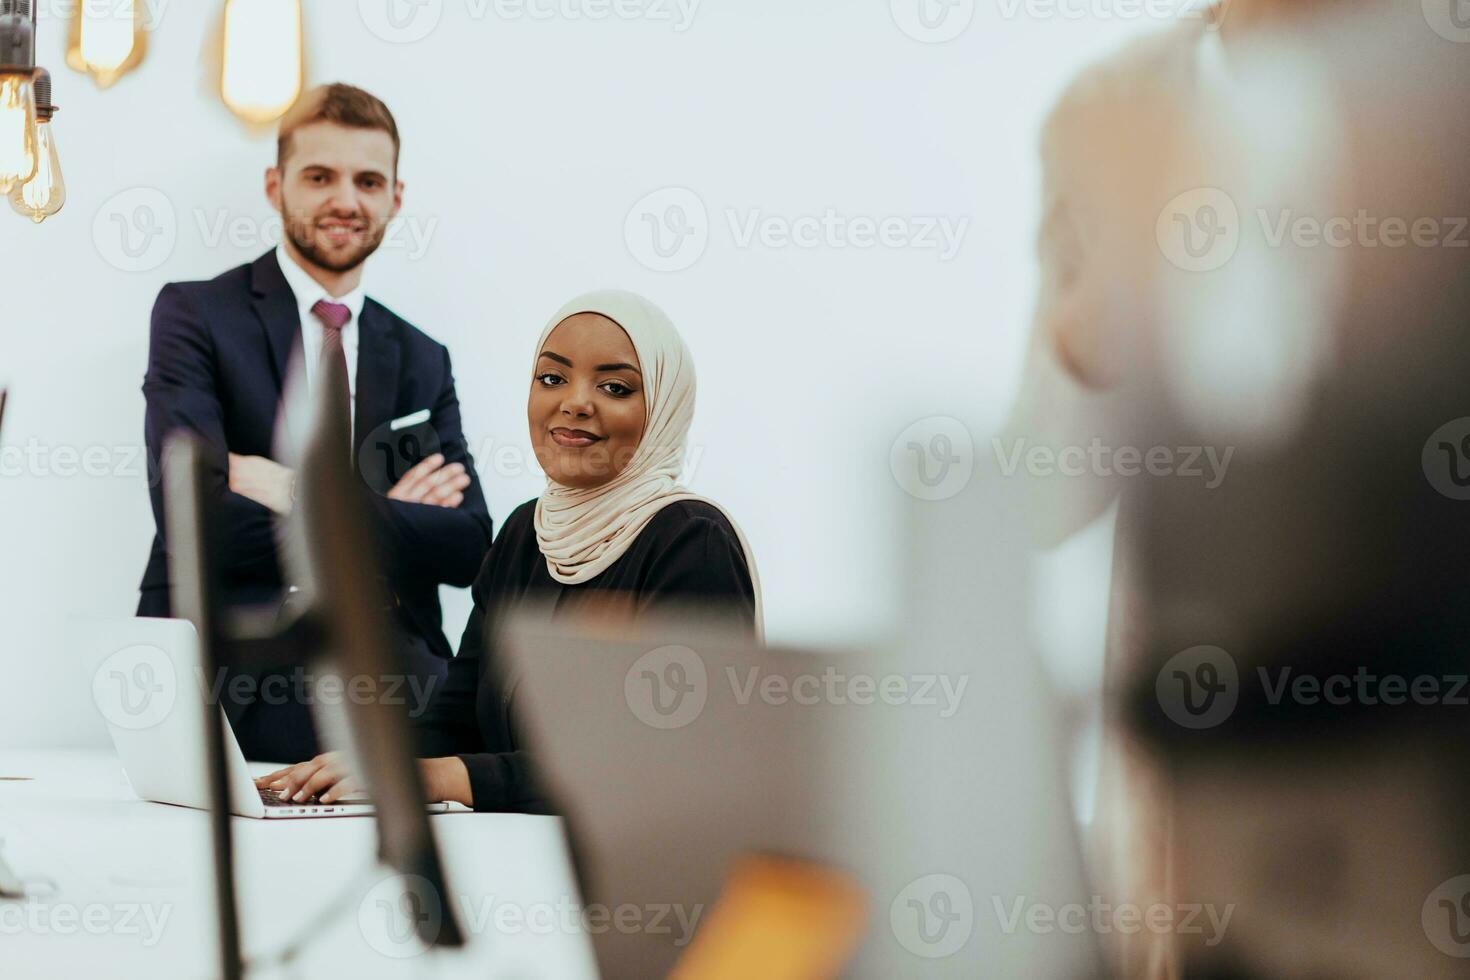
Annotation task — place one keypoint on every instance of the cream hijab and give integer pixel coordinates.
(582, 532)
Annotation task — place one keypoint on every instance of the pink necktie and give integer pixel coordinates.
(334, 317)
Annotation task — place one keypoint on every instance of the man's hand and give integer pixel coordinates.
(433, 483)
(264, 481)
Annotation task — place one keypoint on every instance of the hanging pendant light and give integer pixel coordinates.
(44, 194)
(18, 154)
(107, 40)
(261, 73)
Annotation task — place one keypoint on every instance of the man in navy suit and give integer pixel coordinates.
(217, 362)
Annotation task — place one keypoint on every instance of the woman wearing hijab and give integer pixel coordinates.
(612, 399)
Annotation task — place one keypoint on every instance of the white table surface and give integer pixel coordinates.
(133, 887)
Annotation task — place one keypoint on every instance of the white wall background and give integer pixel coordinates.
(526, 143)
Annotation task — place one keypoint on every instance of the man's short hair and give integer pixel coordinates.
(345, 105)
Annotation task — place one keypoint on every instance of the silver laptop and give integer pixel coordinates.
(926, 768)
(149, 690)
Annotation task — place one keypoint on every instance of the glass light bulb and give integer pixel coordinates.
(45, 193)
(107, 34)
(107, 38)
(18, 156)
(262, 58)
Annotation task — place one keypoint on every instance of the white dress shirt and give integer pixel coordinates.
(308, 292)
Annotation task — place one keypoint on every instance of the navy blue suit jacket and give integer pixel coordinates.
(217, 362)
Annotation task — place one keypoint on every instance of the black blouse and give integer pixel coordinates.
(687, 553)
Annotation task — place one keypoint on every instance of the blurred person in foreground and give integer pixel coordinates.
(614, 538)
(1301, 681)
(1157, 163)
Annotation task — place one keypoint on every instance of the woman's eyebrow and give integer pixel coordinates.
(620, 366)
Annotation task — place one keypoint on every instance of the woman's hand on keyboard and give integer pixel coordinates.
(326, 777)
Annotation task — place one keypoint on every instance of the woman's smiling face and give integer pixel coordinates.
(587, 408)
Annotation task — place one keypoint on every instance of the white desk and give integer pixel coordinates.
(134, 887)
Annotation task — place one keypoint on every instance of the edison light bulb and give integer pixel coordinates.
(107, 35)
(106, 40)
(18, 155)
(44, 194)
(262, 58)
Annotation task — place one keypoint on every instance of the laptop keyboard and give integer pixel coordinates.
(271, 798)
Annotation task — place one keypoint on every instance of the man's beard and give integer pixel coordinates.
(303, 236)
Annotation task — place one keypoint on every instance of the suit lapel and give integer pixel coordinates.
(275, 305)
(378, 360)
